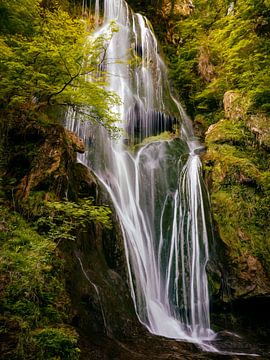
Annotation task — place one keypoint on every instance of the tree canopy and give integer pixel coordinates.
(47, 59)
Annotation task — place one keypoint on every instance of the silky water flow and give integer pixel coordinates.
(155, 185)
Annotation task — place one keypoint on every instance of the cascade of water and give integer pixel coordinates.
(97, 13)
(158, 193)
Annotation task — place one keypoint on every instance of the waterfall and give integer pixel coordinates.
(155, 184)
(97, 13)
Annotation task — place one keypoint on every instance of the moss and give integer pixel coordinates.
(265, 182)
(166, 135)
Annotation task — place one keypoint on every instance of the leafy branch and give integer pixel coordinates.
(62, 220)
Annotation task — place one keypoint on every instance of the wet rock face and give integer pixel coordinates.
(97, 277)
(100, 296)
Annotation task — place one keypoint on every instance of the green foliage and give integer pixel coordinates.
(61, 220)
(229, 131)
(57, 343)
(18, 16)
(33, 293)
(46, 60)
(219, 51)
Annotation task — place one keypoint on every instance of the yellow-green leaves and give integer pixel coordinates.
(54, 65)
(62, 220)
(237, 44)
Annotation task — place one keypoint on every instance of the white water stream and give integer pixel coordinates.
(158, 192)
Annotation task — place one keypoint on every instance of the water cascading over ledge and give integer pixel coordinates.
(157, 191)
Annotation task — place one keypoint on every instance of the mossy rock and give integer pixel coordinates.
(228, 131)
(238, 180)
(227, 167)
(241, 219)
(164, 136)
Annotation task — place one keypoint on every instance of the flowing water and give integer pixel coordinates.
(155, 184)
